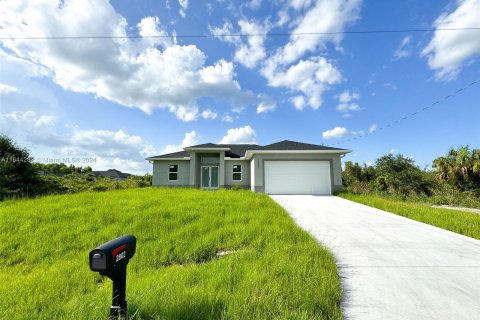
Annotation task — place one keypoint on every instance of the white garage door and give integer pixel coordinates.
(297, 177)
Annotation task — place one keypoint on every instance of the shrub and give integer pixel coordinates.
(18, 177)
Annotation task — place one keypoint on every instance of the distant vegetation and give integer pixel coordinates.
(19, 176)
(455, 179)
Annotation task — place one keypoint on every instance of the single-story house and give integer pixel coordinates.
(285, 167)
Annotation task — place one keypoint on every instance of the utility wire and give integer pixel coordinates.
(408, 116)
(241, 35)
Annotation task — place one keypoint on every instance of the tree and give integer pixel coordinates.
(461, 168)
(358, 178)
(399, 175)
(18, 176)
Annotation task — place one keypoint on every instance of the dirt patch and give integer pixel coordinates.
(472, 210)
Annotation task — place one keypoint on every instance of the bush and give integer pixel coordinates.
(18, 176)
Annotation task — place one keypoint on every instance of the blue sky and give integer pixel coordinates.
(118, 100)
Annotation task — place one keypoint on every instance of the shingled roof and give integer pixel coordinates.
(239, 150)
(293, 145)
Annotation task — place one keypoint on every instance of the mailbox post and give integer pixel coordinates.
(111, 259)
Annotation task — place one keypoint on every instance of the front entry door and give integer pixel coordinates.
(209, 177)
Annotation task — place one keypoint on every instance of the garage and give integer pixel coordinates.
(297, 177)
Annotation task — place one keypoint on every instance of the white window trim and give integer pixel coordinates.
(241, 172)
(172, 172)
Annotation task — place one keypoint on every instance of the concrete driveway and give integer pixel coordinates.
(392, 267)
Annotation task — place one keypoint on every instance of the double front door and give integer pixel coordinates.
(209, 177)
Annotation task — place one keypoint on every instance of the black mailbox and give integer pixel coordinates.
(111, 259)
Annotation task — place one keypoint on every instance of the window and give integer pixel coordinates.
(173, 172)
(237, 172)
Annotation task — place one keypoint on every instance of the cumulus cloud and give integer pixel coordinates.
(254, 4)
(183, 7)
(145, 73)
(227, 118)
(404, 50)
(447, 51)
(310, 77)
(5, 88)
(337, 132)
(298, 102)
(267, 105)
(372, 128)
(250, 53)
(222, 33)
(190, 139)
(249, 50)
(27, 118)
(244, 134)
(346, 102)
(109, 149)
(209, 114)
(323, 16)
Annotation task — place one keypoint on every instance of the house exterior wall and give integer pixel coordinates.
(229, 182)
(161, 170)
(258, 173)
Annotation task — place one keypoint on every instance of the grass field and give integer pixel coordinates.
(276, 272)
(465, 223)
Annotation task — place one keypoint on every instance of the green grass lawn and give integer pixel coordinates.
(277, 272)
(462, 222)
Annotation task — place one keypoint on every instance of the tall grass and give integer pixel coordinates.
(277, 271)
(461, 222)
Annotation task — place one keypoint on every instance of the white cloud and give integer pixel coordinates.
(131, 72)
(190, 139)
(27, 118)
(283, 18)
(372, 128)
(244, 134)
(298, 102)
(404, 50)
(267, 105)
(391, 86)
(346, 104)
(150, 29)
(249, 50)
(311, 77)
(227, 118)
(347, 107)
(323, 17)
(183, 7)
(109, 149)
(299, 4)
(222, 32)
(5, 88)
(448, 50)
(250, 53)
(254, 4)
(209, 114)
(337, 132)
(348, 96)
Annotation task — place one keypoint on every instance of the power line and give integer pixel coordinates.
(408, 116)
(243, 35)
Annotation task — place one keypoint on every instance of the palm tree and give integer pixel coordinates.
(461, 167)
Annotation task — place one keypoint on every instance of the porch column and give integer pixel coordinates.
(193, 169)
(221, 178)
